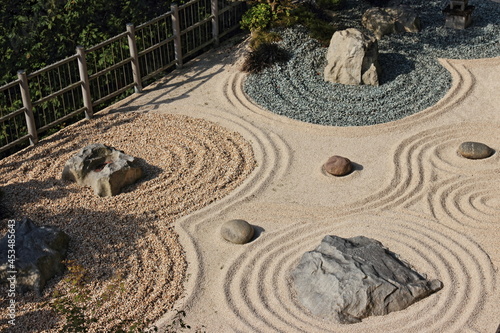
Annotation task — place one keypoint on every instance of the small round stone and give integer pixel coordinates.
(237, 231)
(474, 150)
(338, 166)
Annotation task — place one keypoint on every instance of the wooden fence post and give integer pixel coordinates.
(215, 21)
(136, 71)
(177, 34)
(28, 112)
(84, 77)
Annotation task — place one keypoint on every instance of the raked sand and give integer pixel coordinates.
(410, 190)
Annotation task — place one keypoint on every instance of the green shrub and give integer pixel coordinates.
(257, 18)
(264, 56)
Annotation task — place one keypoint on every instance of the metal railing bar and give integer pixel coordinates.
(229, 7)
(9, 85)
(15, 142)
(57, 93)
(187, 4)
(143, 25)
(154, 47)
(196, 25)
(54, 65)
(12, 114)
(60, 120)
(106, 42)
(109, 69)
(118, 92)
(229, 30)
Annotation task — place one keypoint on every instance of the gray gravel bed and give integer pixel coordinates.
(412, 79)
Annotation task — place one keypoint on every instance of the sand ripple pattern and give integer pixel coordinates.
(472, 203)
(188, 163)
(428, 160)
(259, 293)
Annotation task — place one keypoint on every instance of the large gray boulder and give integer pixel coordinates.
(385, 21)
(38, 251)
(350, 279)
(103, 168)
(352, 58)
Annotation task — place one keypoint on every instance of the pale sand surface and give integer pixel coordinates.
(410, 190)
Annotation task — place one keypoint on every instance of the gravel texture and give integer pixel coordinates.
(135, 266)
(412, 78)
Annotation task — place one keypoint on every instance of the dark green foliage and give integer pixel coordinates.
(319, 25)
(36, 33)
(258, 17)
(330, 4)
(264, 56)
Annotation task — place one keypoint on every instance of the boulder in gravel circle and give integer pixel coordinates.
(475, 150)
(103, 168)
(237, 231)
(348, 279)
(352, 58)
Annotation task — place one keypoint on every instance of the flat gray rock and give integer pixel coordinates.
(237, 231)
(39, 253)
(105, 169)
(350, 279)
(475, 150)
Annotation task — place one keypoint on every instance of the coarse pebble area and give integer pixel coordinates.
(412, 78)
(126, 241)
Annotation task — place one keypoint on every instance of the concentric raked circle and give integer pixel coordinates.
(472, 202)
(259, 280)
(429, 157)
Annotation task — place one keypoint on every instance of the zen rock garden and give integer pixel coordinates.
(105, 169)
(348, 279)
(40, 251)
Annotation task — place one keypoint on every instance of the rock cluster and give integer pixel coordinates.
(385, 21)
(474, 150)
(103, 168)
(350, 279)
(237, 231)
(352, 58)
(338, 166)
(39, 253)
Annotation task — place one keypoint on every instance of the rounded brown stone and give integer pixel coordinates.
(338, 166)
(475, 150)
(237, 231)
